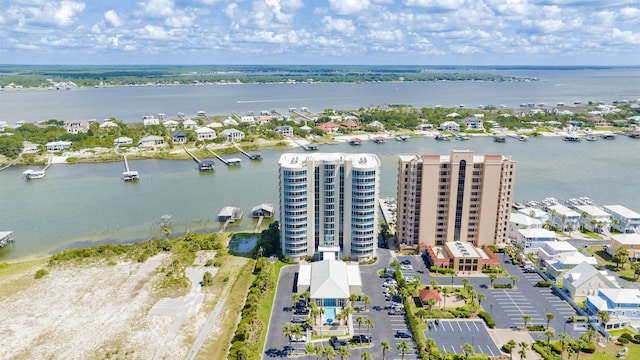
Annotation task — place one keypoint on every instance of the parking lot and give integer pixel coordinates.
(451, 335)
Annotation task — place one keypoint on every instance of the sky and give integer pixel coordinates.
(380, 32)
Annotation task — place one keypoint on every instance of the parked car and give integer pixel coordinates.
(301, 311)
(406, 267)
(336, 343)
(302, 338)
(298, 320)
(403, 335)
(406, 262)
(410, 278)
(396, 312)
(362, 339)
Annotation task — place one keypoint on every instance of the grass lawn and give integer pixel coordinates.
(611, 350)
(264, 310)
(604, 258)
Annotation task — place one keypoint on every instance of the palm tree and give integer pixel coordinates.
(403, 347)
(434, 284)
(492, 278)
(526, 319)
(581, 343)
(347, 311)
(422, 313)
(453, 276)
(344, 353)
(481, 297)
(329, 352)
(429, 344)
(593, 222)
(310, 349)
(385, 347)
(615, 222)
(369, 323)
(317, 351)
(550, 317)
(604, 317)
(430, 303)
(584, 215)
(532, 214)
(295, 298)
(468, 349)
(563, 218)
(512, 345)
(298, 331)
(563, 342)
(306, 296)
(366, 299)
(549, 333)
(589, 334)
(289, 332)
(445, 293)
(360, 320)
(514, 280)
(523, 350)
(366, 356)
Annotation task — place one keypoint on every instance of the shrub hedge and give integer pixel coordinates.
(487, 319)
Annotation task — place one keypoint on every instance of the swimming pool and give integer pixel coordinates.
(329, 313)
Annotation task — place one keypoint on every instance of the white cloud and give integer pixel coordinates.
(465, 49)
(348, 7)
(155, 8)
(112, 18)
(66, 13)
(342, 26)
(155, 32)
(180, 20)
(436, 4)
(629, 13)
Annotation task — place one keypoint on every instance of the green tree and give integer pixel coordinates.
(550, 317)
(492, 278)
(289, 332)
(360, 320)
(366, 356)
(347, 311)
(329, 352)
(583, 215)
(366, 299)
(310, 349)
(604, 317)
(403, 347)
(369, 323)
(636, 270)
(514, 280)
(526, 319)
(523, 350)
(620, 257)
(549, 334)
(468, 350)
(344, 353)
(511, 344)
(580, 344)
(295, 298)
(564, 341)
(385, 347)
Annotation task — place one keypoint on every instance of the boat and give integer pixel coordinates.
(608, 136)
(402, 138)
(310, 147)
(572, 138)
(355, 141)
(379, 140)
(577, 102)
(499, 139)
(130, 176)
(635, 136)
(443, 137)
(34, 174)
(462, 137)
(523, 138)
(591, 138)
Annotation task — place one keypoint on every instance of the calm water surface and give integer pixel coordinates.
(80, 204)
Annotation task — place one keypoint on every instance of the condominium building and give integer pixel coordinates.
(328, 201)
(458, 197)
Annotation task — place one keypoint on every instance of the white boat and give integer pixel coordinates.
(34, 174)
(572, 138)
(591, 138)
(462, 137)
(130, 175)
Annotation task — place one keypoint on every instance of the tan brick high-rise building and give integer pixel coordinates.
(456, 197)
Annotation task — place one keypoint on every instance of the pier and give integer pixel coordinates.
(6, 238)
(203, 165)
(12, 163)
(129, 175)
(250, 156)
(307, 147)
(293, 111)
(228, 162)
(38, 174)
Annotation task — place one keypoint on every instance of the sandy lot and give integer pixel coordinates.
(94, 311)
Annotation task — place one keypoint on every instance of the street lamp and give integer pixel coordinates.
(491, 311)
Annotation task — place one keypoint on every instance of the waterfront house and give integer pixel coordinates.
(170, 124)
(123, 140)
(623, 306)
(530, 240)
(3, 125)
(629, 241)
(58, 145)
(76, 126)
(189, 124)
(232, 134)
(453, 115)
(425, 127)
(519, 221)
(550, 251)
(473, 123)
(329, 127)
(178, 137)
(450, 126)
(597, 121)
(229, 122)
(149, 120)
(263, 119)
(108, 125)
(377, 124)
(248, 120)
(564, 218)
(205, 133)
(565, 262)
(628, 221)
(30, 148)
(286, 131)
(230, 213)
(585, 280)
(151, 140)
(265, 209)
(593, 218)
(350, 125)
(535, 213)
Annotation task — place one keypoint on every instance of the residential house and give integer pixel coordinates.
(170, 124)
(519, 221)
(151, 140)
(550, 251)
(593, 218)
(215, 125)
(473, 123)
(623, 306)
(585, 280)
(149, 120)
(179, 137)
(350, 125)
(229, 122)
(263, 119)
(329, 127)
(248, 120)
(108, 125)
(205, 133)
(377, 124)
(189, 124)
(564, 218)
(565, 262)
(425, 127)
(76, 126)
(58, 145)
(450, 126)
(232, 134)
(530, 240)
(629, 241)
(30, 148)
(597, 121)
(286, 131)
(123, 140)
(627, 220)
(453, 115)
(535, 213)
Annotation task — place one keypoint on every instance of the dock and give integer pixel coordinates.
(293, 111)
(38, 174)
(6, 238)
(12, 163)
(255, 156)
(228, 215)
(129, 175)
(228, 162)
(203, 165)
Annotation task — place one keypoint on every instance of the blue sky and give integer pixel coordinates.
(424, 32)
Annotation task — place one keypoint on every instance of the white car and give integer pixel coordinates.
(410, 278)
(406, 267)
(302, 338)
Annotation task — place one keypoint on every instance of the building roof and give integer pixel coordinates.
(592, 210)
(582, 273)
(537, 212)
(204, 130)
(328, 280)
(4, 234)
(537, 233)
(560, 246)
(523, 219)
(151, 138)
(623, 211)
(426, 294)
(264, 206)
(458, 249)
(563, 210)
(627, 239)
(575, 259)
(622, 296)
(304, 275)
(328, 125)
(358, 161)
